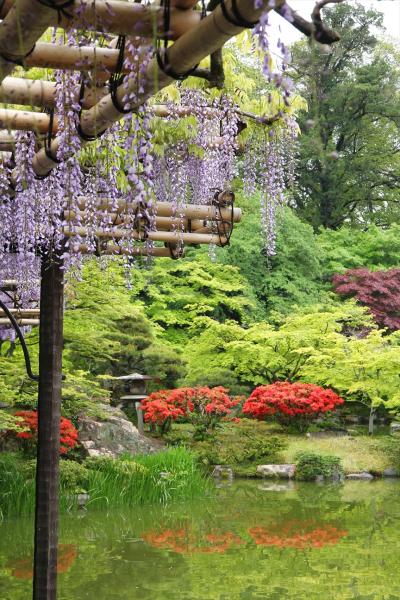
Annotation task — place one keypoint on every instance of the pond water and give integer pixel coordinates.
(252, 541)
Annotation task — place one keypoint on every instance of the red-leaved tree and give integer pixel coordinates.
(204, 407)
(291, 403)
(29, 429)
(378, 290)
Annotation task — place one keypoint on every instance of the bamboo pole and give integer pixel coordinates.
(161, 223)
(22, 322)
(35, 92)
(115, 250)
(22, 26)
(24, 120)
(22, 312)
(125, 18)
(82, 58)
(189, 211)
(174, 237)
(7, 142)
(209, 35)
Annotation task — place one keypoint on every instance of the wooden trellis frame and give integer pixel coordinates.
(23, 23)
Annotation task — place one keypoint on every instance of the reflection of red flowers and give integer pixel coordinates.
(68, 433)
(298, 535)
(66, 556)
(185, 541)
(290, 400)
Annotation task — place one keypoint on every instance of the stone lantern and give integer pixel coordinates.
(135, 385)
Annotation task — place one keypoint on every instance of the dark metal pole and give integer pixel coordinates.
(48, 447)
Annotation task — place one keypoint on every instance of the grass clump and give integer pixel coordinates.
(156, 478)
(310, 466)
(167, 476)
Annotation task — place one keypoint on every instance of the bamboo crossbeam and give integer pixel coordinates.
(21, 322)
(7, 142)
(24, 23)
(209, 35)
(125, 18)
(189, 211)
(161, 223)
(24, 120)
(173, 237)
(21, 313)
(35, 92)
(38, 122)
(83, 58)
(114, 250)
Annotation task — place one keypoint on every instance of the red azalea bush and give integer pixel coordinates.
(202, 406)
(291, 403)
(29, 425)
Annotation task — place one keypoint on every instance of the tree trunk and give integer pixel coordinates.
(371, 421)
(48, 447)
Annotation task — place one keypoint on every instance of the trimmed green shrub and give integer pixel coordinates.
(310, 465)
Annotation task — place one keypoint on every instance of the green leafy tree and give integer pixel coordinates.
(174, 294)
(349, 152)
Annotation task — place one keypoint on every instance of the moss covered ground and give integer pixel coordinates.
(247, 444)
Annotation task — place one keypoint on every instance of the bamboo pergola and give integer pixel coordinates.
(194, 36)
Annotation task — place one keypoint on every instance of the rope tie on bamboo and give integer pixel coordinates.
(117, 77)
(85, 136)
(60, 8)
(142, 232)
(176, 251)
(223, 224)
(236, 18)
(47, 141)
(162, 53)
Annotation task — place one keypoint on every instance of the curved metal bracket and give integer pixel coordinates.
(18, 331)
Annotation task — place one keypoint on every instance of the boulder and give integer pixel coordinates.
(391, 472)
(222, 471)
(364, 476)
(394, 427)
(113, 435)
(278, 471)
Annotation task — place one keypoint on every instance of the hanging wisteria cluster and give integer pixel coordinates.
(186, 176)
(269, 166)
(104, 200)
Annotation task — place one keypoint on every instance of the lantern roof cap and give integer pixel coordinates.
(134, 377)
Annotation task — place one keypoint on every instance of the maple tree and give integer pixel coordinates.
(377, 290)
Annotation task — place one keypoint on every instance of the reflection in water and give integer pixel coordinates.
(297, 534)
(305, 542)
(185, 541)
(23, 568)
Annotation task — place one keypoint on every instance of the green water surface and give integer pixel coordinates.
(252, 541)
